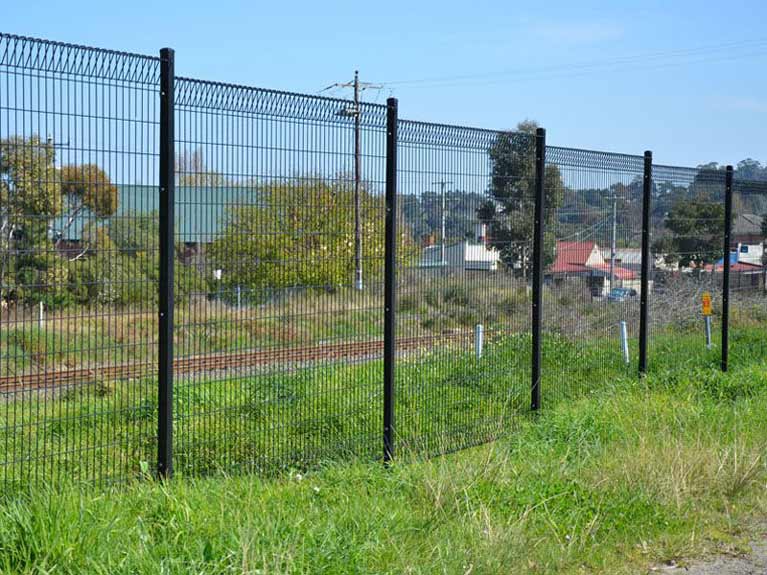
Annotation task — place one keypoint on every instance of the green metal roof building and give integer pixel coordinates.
(200, 211)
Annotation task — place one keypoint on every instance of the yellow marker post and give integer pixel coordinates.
(706, 300)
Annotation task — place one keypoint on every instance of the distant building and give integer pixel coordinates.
(627, 258)
(200, 211)
(746, 268)
(462, 256)
(585, 260)
(747, 229)
(742, 257)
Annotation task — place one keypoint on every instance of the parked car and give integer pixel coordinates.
(621, 294)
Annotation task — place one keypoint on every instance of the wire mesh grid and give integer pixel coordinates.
(687, 222)
(748, 292)
(592, 254)
(465, 200)
(78, 155)
(278, 344)
(279, 272)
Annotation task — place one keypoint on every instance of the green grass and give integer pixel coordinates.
(615, 474)
(614, 482)
(295, 418)
(264, 422)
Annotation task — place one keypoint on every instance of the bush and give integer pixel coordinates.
(48, 285)
(81, 282)
(55, 293)
(456, 294)
(301, 233)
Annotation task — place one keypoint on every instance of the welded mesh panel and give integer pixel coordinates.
(465, 203)
(78, 243)
(277, 347)
(748, 295)
(592, 268)
(687, 227)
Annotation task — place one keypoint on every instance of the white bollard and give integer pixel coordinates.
(41, 316)
(479, 332)
(708, 331)
(625, 342)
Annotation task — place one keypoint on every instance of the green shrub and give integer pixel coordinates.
(456, 294)
(408, 303)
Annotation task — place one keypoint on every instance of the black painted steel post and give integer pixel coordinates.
(540, 169)
(390, 278)
(644, 296)
(167, 191)
(726, 269)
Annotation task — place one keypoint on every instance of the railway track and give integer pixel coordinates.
(43, 379)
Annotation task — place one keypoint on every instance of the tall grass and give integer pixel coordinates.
(638, 475)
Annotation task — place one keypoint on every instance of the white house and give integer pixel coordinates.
(462, 256)
(750, 253)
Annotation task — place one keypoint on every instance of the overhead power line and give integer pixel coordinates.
(651, 60)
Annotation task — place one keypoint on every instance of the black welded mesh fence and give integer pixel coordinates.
(278, 248)
(277, 346)
(466, 199)
(78, 242)
(592, 255)
(748, 293)
(687, 223)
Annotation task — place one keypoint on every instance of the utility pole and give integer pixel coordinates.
(442, 184)
(355, 112)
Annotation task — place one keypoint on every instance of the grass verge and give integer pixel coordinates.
(637, 474)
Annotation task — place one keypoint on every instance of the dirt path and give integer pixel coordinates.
(753, 564)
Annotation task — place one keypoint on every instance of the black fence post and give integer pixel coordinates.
(540, 169)
(726, 268)
(167, 191)
(390, 277)
(644, 296)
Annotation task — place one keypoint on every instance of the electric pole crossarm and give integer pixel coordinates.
(356, 113)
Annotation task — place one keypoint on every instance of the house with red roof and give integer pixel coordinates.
(746, 268)
(586, 260)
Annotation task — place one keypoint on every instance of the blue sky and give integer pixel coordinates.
(576, 67)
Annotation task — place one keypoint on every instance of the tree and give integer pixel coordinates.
(301, 233)
(510, 208)
(135, 232)
(696, 226)
(750, 169)
(86, 187)
(423, 214)
(30, 195)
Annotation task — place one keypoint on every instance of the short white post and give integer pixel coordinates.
(41, 316)
(239, 298)
(625, 342)
(479, 332)
(708, 331)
